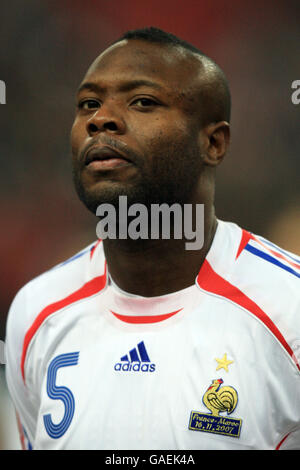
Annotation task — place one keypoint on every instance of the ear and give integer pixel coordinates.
(214, 141)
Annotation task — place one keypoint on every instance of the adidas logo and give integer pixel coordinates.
(137, 360)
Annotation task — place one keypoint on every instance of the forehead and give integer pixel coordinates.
(172, 67)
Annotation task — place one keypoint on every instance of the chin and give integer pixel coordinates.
(109, 194)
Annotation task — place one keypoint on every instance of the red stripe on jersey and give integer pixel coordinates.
(282, 441)
(246, 236)
(278, 255)
(210, 281)
(94, 248)
(87, 290)
(145, 318)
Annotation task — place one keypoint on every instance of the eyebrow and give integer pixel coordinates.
(123, 87)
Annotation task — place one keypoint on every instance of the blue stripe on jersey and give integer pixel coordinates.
(29, 445)
(74, 257)
(283, 252)
(269, 258)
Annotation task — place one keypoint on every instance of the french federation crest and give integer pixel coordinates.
(217, 399)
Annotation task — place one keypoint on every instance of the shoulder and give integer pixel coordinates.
(258, 276)
(271, 270)
(271, 276)
(53, 286)
(255, 263)
(57, 282)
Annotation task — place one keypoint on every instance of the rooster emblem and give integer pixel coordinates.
(218, 399)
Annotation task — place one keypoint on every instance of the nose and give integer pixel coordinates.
(105, 119)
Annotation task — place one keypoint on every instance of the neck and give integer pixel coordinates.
(153, 268)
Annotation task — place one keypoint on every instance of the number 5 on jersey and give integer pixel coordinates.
(64, 394)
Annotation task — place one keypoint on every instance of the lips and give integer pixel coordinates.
(103, 153)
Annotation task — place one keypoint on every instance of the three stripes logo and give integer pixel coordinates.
(137, 360)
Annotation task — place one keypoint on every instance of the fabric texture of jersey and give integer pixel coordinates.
(213, 366)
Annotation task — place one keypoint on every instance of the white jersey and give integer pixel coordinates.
(213, 366)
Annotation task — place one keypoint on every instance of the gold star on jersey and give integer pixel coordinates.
(223, 363)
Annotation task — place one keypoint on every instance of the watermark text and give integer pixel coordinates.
(2, 352)
(2, 92)
(296, 94)
(161, 222)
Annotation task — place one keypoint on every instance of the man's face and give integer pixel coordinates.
(136, 130)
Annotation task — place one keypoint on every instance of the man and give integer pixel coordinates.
(142, 343)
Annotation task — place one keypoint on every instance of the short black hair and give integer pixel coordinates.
(153, 34)
(217, 98)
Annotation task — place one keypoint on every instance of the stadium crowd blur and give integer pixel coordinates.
(45, 49)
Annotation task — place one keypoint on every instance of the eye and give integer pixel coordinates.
(88, 104)
(144, 102)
